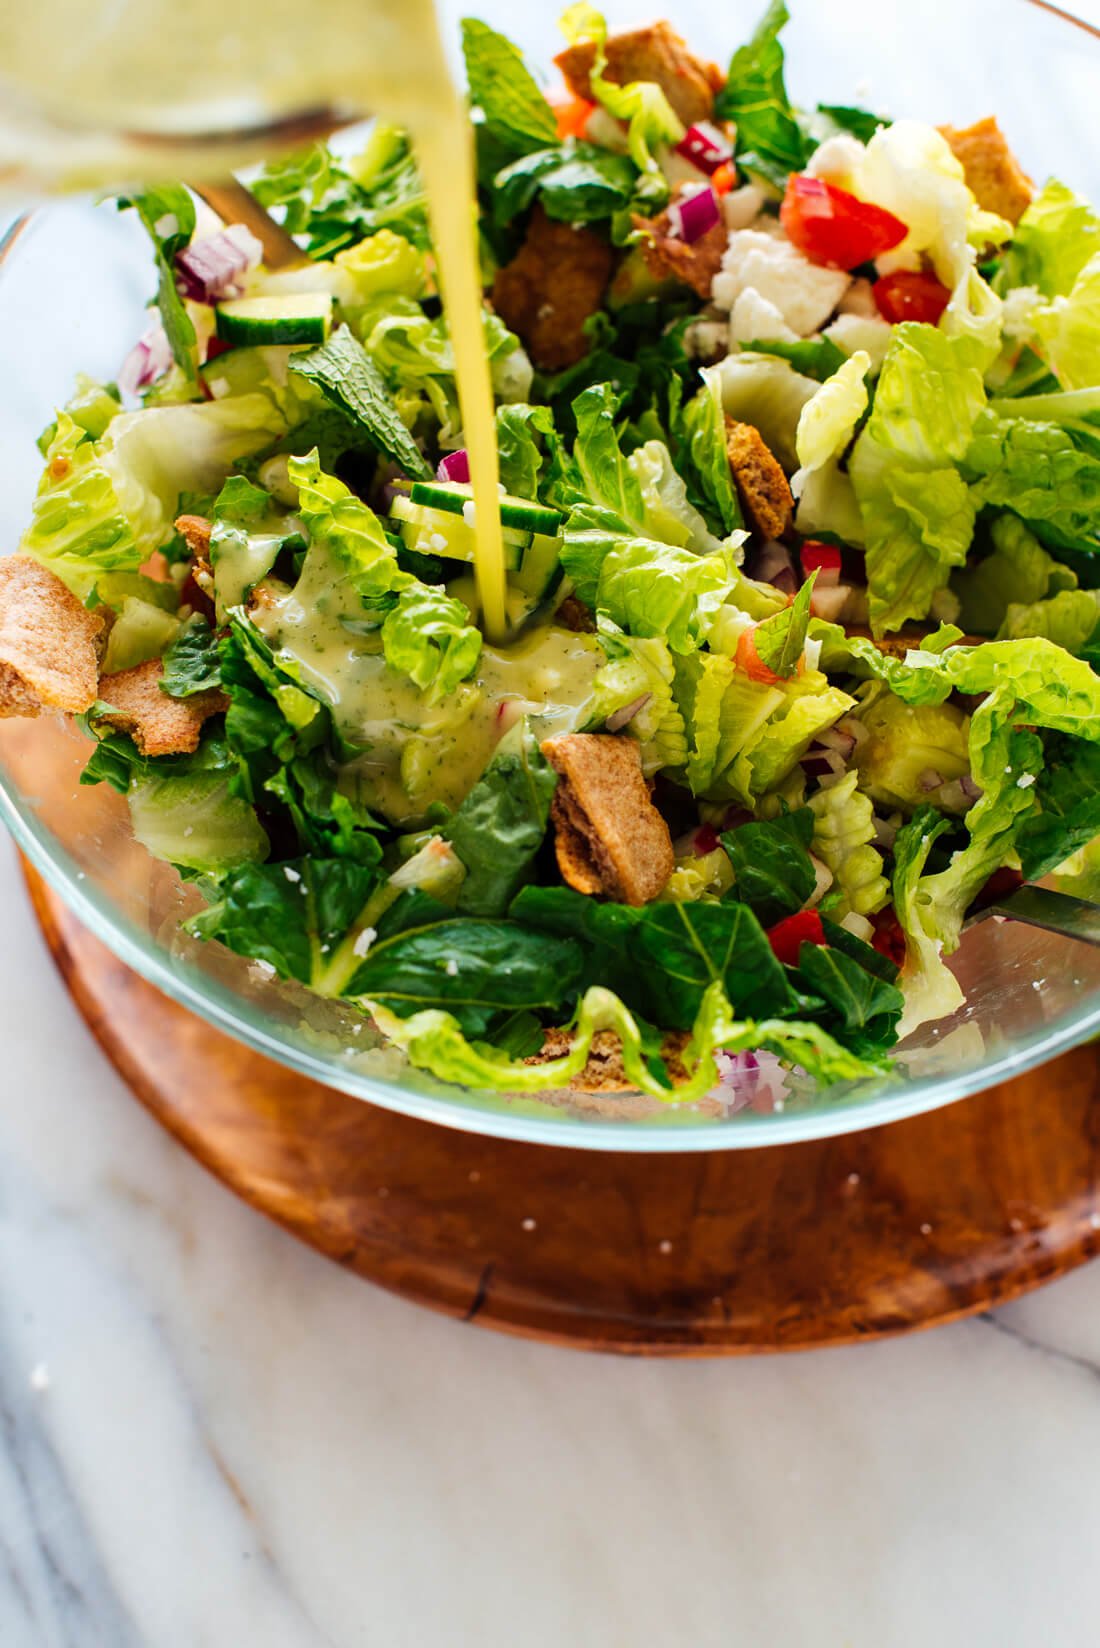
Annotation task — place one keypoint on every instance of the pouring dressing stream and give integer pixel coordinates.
(95, 101)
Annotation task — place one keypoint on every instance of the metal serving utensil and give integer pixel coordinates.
(1042, 907)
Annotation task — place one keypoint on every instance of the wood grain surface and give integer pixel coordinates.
(719, 1253)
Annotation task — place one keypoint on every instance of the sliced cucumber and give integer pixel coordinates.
(300, 317)
(539, 575)
(453, 496)
(437, 532)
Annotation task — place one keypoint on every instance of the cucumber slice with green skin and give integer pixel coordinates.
(437, 532)
(453, 496)
(539, 576)
(304, 317)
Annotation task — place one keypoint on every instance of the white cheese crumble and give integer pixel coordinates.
(754, 319)
(291, 874)
(363, 941)
(1025, 781)
(804, 293)
(451, 968)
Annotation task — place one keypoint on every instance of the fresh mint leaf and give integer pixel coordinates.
(755, 97)
(193, 662)
(345, 374)
(500, 826)
(863, 1010)
(780, 639)
(813, 357)
(503, 88)
(774, 874)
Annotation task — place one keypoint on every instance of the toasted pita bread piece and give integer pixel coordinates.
(604, 1072)
(158, 724)
(996, 178)
(761, 484)
(49, 642)
(609, 837)
(195, 531)
(668, 256)
(655, 53)
(553, 284)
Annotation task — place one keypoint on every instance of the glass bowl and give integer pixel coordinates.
(74, 285)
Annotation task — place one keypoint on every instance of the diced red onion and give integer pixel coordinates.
(829, 603)
(972, 791)
(694, 213)
(148, 360)
(509, 712)
(930, 779)
(823, 881)
(705, 146)
(819, 763)
(854, 729)
(885, 832)
(833, 738)
(212, 269)
(619, 718)
(454, 467)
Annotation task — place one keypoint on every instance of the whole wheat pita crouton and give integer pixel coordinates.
(655, 53)
(668, 256)
(158, 724)
(997, 180)
(609, 837)
(556, 280)
(762, 486)
(604, 1071)
(574, 615)
(195, 531)
(49, 642)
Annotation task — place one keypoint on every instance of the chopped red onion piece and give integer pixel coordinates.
(771, 558)
(885, 832)
(854, 728)
(819, 763)
(833, 738)
(705, 146)
(694, 214)
(972, 791)
(619, 718)
(212, 269)
(930, 779)
(148, 360)
(829, 603)
(454, 467)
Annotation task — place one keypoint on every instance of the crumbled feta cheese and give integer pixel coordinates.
(451, 968)
(706, 340)
(438, 541)
(743, 206)
(837, 160)
(1025, 781)
(754, 319)
(1017, 311)
(167, 225)
(469, 513)
(262, 969)
(363, 941)
(804, 294)
(859, 299)
(851, 332)
(291, 874)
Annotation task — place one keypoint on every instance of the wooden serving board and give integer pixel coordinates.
(701, 1254)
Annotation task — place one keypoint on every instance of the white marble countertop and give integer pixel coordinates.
(212, 1438)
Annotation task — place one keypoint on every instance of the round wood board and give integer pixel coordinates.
(720, 1253)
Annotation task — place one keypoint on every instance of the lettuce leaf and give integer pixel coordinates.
(501, 824)
(930, 990)
(773, 872)
(167, 213)
(862, 1008)
(698, 433)
(918, 512)
(843, 836)
(780, 640)
(193, 820)
(645, 588)
(1057, 236)
(770, 138)
(1068, 815)
(1038, 471)
(651, 121)
(828, 420)
(1018, 572)
(521, 457)
(575, 182)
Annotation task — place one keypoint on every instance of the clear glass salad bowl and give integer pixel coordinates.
(71, 298)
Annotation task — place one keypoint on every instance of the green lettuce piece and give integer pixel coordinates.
(661, 958)
(768, 393)
(772, 869)
(333, 203)
(668, 515)
(428, 637)
(1069, 619)
(843, 833)
(521, 456)
(698, 431)
(862, 1007)
(513, 108)
(651, 121)
(348, 378)
(78, 528)
(194, 821)
(818, 358)
(905, 743)
(1018, 572)
(808, 706)
(92, 405)
(1038, 471)
(930, 990)
(500, 826)
(1056, 237)
(918, 512)
(828, 420)
(642, 668)
(770, 139)
(646, 588)
(1067, 819)
(167, 213)
(575, 182)
(142, 630)
(384, 262)
(434, 1041)
(193, 661)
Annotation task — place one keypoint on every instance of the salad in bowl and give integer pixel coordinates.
(799, 440)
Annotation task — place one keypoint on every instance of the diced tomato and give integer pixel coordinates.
(830, 226)
(824, 559)
(216, 347)
(1000, 884)
(572, 116)
(788, 936)
(748, 659)
(910, 294)
(724, 178)
(705, 839)
(889, 939)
